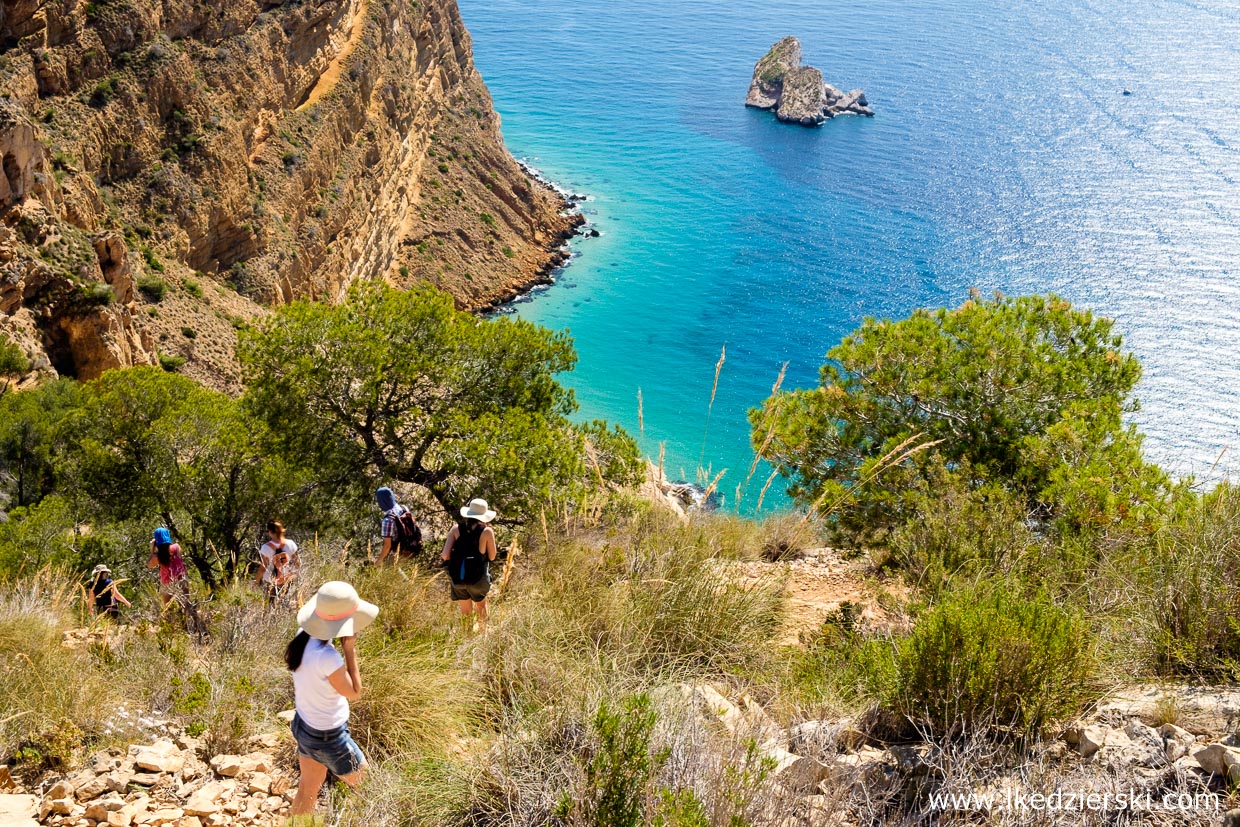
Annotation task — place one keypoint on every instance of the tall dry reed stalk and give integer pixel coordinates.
(889, 460)
(769, 434)
(714, 388)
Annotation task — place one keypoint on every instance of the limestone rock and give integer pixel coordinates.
(803, 99)
(796, 93)
(390, 116)
(864, 767)
(811, 737)
(769, 73)
(1176, 741)
(207, 800)
(162, 756)
(61, 789)
(799, 773)
(1087, 740)
(228, 766)
(1217, 759)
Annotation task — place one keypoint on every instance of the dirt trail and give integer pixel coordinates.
(816, 586)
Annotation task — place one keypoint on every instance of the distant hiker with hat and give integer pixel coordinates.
(401, 532)
(104, 593)
(166, 556)
(278, 562)
(323, 684)
(467, 553)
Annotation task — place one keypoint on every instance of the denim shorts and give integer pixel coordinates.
(333, 748)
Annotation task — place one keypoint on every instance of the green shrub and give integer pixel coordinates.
(171, 362)
(152, 288)
(988, 659)
(189, 333)
(616, 779)
(103, 92)
(1184, 589)
(192, 287)
(97, 294)
(957, 531)
(13, 361)
(153, 262)
(681, 808)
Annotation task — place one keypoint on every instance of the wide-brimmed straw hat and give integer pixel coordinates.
(336, 611)
(99, 569)
(478, 510)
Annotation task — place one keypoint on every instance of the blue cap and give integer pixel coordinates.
(385, 498)
(163, 537)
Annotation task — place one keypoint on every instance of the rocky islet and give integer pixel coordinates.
(798, 94)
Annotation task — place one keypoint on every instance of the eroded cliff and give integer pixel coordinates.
(171, 168)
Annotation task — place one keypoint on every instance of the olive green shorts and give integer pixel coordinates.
(476, 592)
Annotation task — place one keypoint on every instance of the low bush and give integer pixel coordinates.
(960, 531)
(616, 778)
(152, 288)
(171, 362)
(1183, 590)
(987, 658)
(97, 294)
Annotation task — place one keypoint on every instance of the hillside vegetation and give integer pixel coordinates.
(974, 461)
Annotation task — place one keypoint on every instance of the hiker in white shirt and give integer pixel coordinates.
(323, 684)
(278, 563)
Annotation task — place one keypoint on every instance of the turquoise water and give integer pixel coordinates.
(1003, 156)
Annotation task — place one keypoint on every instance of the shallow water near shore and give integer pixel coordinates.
(1004, 156)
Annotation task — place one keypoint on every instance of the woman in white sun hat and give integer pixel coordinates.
(323, 684)
(467, 553)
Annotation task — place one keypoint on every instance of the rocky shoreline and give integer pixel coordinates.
(557, 247)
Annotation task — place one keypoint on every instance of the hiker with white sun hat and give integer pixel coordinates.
(467, 554)
(323, 684)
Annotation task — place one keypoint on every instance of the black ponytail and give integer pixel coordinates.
(163, 553)
(296, 649)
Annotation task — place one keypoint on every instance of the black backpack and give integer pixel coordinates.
(466, 562)
(408, 539)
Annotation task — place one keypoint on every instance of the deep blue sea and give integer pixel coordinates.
(1004, 156)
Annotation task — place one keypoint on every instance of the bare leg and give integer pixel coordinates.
(313, 774)
(467, 609)
(481, 609)
(354, 778)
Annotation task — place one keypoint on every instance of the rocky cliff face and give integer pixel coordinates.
(172, 167)
(797, 93)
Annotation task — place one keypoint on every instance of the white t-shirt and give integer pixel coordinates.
(269, 550)
(317, 702)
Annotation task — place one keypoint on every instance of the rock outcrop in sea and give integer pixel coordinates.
(798, 94)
